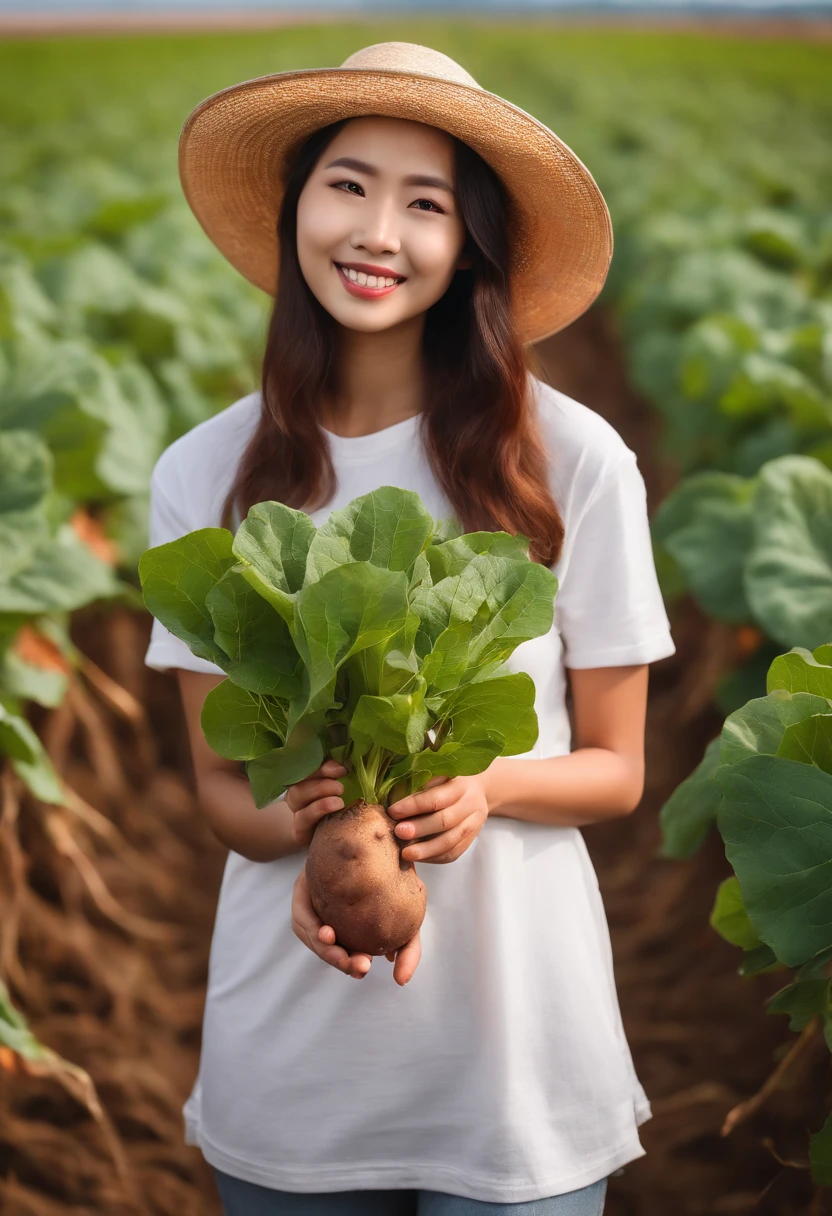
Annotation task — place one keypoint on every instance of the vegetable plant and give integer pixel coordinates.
(378, 638)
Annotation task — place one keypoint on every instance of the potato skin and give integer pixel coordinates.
(358, 882)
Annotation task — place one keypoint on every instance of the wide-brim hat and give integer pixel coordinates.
(235, 147)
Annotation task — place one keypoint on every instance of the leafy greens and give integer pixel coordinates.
(378, 638)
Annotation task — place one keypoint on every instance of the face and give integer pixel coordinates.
(380, 205)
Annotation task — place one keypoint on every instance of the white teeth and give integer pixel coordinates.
(368, 280)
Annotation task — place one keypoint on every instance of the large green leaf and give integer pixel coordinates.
(397, 722)
(761, 725)
(690, 810)
(61, 574)
(240, 725)
(274, 541)
(776, 821)
(809, 741)
(271, 774)
(803, 671)
(706, 527)
(453, 556)
(802, 1000)
(387, 527)
(788, 574)
(348, 609)
(499, 705)
(730, 918)
(256, 639)
(517, 604)
(25, 471)
(176, 578)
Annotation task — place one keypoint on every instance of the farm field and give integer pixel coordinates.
(710, 350)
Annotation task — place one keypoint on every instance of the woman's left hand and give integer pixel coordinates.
(451, 810)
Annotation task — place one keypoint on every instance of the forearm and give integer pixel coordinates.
(589, 785)
(228, 806)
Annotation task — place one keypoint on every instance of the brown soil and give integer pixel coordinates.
(113, 976)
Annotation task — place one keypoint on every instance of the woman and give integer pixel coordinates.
(426, 231)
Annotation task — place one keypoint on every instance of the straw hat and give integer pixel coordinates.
(233, 149)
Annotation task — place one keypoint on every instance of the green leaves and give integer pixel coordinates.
(690, 810)
(757, 549)
(176, 580)
(370, 636)
(789, 723)
(776, 821)
(788, 575)
(388, 529)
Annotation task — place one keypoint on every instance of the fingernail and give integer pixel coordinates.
(404, 829)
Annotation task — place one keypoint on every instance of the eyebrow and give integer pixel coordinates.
(414, 179)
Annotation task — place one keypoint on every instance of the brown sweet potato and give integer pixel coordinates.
(358, 882)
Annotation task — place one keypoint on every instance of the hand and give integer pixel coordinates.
(451, 810)
(317, 795)
(320, 939)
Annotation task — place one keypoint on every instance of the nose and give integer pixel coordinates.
(378, 231)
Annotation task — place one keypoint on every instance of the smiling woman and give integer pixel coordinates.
(500, 1074)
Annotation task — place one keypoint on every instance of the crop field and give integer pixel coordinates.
(710, 350)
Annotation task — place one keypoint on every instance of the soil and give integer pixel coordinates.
(109, 961)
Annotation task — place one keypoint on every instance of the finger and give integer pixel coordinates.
(407, 960)
(309, 928)
(429, 798)
(445, 842)
(428, 825)
(331, 768)
(307, 817)
(306, 791)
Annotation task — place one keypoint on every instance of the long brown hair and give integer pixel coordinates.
(478, 423)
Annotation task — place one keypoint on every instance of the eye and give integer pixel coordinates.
(430, 201)
(347, 183)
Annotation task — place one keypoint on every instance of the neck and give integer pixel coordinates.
(379, 379)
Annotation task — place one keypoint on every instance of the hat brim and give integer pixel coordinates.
(232, 150)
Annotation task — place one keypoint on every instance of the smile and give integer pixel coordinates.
(366, 290)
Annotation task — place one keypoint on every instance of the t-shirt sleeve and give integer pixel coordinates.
(165, 650)
(609, 606)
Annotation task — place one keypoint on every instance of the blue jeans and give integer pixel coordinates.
(241, 1198)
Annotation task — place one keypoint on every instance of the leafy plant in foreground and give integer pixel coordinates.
(377, 638)
(767, 782)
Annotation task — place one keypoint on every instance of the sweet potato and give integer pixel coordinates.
(358, 882)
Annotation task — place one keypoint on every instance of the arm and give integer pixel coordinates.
(603, 777)
(224, 792)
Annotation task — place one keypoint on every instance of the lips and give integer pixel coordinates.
(361, 291)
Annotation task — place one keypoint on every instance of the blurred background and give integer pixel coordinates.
(707, 127)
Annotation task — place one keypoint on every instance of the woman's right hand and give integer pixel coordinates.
(309, 800)
(317, 795)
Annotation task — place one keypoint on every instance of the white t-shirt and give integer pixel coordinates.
(501, 1072)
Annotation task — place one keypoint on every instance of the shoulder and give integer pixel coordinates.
(584, 449)
(198, 467)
